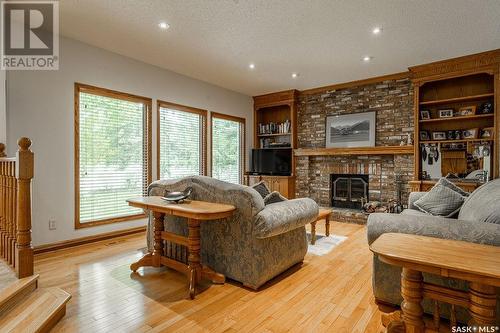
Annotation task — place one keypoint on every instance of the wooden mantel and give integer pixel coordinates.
(378, 150)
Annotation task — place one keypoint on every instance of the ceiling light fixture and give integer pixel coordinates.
(295, 75)
(376, 30)
(251, 66)
(367, 58)
(164, 25)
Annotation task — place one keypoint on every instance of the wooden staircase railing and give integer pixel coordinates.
(15, 208)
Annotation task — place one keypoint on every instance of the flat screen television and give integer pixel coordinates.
(272, 162)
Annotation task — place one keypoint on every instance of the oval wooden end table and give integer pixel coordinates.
(476, 263)
(196, 212)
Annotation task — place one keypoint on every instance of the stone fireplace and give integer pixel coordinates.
(349, 190)
(392, 99)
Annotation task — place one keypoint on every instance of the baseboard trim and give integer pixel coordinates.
(85, 240)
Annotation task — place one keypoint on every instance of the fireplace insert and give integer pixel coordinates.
(349, 190)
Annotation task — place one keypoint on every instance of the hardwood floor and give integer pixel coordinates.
(331, 293)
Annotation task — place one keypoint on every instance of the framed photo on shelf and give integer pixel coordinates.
(446, 113)
(470, 133)
(425, 114)
(424, 135)
(438, 135)
(487, 133)
(467, 110)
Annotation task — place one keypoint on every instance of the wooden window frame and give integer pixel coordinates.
(242, 121)
(183, 108)
(85, 88)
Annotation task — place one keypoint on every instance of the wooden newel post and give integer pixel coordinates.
(24, 174)
(2, 150)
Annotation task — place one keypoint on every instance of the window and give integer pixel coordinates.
(112, 154)
(228, 147)
(182, 141)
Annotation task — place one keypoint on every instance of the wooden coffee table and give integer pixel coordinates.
(324, 214)
(196, 212)
(478, 264)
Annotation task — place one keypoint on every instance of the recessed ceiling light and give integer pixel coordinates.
(376, 30)
(367, 58)
(164, 25)
(251, 66)
(295, 75)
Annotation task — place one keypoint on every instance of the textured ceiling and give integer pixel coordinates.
(324, 41)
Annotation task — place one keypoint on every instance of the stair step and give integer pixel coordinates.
(16, 291)
(7, 275)
(37, 312)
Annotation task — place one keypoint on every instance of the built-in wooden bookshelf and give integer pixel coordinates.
(273, 134)
(279, 110)
(457, 99)
(274, 116)
(455, 141)
(467, 82)
(457, 118)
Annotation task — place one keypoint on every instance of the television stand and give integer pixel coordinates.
(282, 184)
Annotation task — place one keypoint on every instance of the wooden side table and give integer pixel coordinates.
(196, 212)
(476, 263)
(324, 214)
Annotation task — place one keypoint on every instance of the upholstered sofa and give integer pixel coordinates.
(478, 222)
(254, 245)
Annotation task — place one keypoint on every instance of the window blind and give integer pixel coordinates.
(113, 156)
(228, 149)
(182, 137)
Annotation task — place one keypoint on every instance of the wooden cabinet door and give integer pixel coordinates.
(282, 185)
(277, 184)
(252, 180)
(269, 181)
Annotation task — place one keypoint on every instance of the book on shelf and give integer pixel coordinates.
(275, 128)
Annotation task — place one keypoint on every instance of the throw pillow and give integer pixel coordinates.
(482, 205)
(262, 189)
(274, 197)
(441, 201)
(445, 182)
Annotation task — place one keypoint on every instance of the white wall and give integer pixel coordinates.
(3, 115)
(40, 106)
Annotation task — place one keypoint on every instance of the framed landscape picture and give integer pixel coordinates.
(351, 130)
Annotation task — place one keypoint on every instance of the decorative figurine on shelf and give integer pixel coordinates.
(486, 108)
(409, 139)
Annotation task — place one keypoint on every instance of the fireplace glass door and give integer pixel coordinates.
(349, 191)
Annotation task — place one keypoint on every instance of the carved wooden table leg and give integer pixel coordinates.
(392, 320)
(327, 225)
(482, 304)
(313, 232)
(153, 259)
(194, 246)
(411, 290)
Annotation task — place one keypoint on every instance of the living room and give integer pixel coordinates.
(257, 166)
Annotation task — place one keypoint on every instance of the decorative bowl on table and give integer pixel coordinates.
(177, 197)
